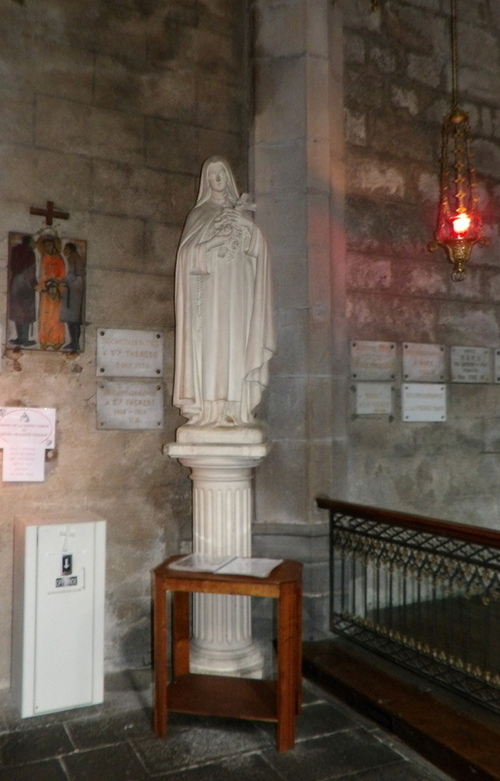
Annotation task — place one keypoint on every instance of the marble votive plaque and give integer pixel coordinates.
(423, 402)
(129, 405)
(471, 364)
(423, 362)
(374, 398)
(126, 353)
(373, 360)
(497, 366)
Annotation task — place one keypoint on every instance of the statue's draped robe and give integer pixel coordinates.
(224, 323)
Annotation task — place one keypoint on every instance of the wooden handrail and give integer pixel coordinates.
(478, 535)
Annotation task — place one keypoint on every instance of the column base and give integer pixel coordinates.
(247, 662)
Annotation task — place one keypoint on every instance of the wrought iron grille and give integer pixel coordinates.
(421, 592)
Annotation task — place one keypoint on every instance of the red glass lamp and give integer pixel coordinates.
(459, 224)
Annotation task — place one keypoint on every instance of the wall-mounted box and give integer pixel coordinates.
(58, 612)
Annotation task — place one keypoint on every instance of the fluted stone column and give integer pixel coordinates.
(222, 475)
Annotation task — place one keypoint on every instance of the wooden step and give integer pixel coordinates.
(445, 730)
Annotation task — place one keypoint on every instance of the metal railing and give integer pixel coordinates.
(421, 592)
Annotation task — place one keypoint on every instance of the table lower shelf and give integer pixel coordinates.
(217, 695)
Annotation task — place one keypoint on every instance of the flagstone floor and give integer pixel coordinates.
(114, 742)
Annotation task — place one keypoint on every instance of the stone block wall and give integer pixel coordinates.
(109, 109)
(309, 544)
(291, 169)
(350, 104)
(397, 90)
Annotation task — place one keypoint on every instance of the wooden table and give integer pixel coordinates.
(276, 700)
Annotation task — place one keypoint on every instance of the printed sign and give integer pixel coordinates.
(67, 581)
(23, 464)
(27, 426)
(25, 434)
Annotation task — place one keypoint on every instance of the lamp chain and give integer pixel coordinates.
(454, 65)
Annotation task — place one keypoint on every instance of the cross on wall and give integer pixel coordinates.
(49, 213)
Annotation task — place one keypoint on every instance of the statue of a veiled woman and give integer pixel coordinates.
(224, 324)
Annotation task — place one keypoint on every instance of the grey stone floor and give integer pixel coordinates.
(114, 742)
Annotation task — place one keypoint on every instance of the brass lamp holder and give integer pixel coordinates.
(459, 224)
(458, 196)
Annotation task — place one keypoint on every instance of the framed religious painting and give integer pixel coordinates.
(46, 289)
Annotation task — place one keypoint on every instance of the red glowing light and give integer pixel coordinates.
(461, 224)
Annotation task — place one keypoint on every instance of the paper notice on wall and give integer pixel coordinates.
(25, 435)
(28, 425)
(23, 463)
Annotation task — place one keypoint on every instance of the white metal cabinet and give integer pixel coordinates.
(58, 612)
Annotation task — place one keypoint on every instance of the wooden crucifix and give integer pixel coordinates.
(49, 213)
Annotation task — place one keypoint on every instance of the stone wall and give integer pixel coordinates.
(294, 167)
(345, 149)
(397, 90)
(370, 272)
(109, 108)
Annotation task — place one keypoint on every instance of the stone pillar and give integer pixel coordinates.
(297, 177)
(222, 475)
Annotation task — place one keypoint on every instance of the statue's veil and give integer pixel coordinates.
(204, 191)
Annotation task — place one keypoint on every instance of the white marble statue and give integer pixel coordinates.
(224, 324)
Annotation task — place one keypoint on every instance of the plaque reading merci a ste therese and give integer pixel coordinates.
(128, 404)
(127, 360)
(129, 353)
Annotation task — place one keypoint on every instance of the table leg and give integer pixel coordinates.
(160, 658)
(287, 667)
(180, 633)
(298, 646)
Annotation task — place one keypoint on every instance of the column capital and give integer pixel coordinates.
(239, 456)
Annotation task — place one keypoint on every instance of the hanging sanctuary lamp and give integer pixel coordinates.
(459, 223)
